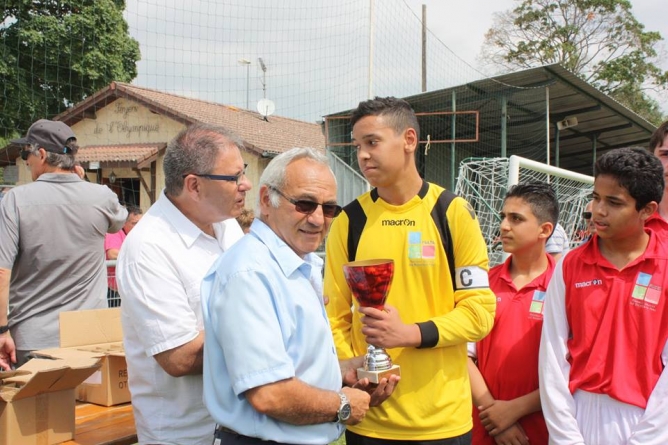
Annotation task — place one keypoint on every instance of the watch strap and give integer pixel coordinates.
(343, 412)
(4, 329)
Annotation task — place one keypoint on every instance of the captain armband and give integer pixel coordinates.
(471, 277)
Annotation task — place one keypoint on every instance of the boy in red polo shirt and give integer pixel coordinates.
(603, 350)
(504, 384)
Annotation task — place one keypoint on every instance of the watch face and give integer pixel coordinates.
(344, 412)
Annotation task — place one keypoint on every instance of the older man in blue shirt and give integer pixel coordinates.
(270, 366)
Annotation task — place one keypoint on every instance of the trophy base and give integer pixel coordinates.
(376, 376)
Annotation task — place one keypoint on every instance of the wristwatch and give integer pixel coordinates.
(344, 411)
(4, 329)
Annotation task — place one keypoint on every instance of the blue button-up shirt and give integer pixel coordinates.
(265, 321)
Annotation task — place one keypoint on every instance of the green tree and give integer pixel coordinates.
(599, 40)
(54, 53)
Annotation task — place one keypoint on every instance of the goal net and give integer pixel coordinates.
(483, 182)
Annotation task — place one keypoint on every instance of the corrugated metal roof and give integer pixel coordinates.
(603, 122)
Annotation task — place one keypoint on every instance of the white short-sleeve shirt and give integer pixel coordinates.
(159, 271)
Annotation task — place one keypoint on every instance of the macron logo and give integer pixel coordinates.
(582, 284)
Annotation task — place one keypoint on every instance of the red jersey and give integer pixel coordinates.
(618, 321)
(656, 223)
(508, 356)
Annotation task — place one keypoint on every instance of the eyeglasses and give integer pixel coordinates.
(25, 154)
(308, 207)
(586, 215)
(229, 178)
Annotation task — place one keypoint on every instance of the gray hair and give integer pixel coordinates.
(59, 160)
(274, 175)
(195, 150)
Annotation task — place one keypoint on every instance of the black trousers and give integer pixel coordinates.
(356, 439)
(226, 436)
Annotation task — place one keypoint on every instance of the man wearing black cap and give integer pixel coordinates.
(52, 249)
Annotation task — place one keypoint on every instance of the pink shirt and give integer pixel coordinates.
(113, 241)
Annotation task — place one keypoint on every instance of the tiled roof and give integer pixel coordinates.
(136, 153)
(274, 135)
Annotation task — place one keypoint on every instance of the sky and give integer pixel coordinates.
(465, 34)
(316, 56)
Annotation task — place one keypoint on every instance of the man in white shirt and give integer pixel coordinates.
(159, 271)
(558, 244)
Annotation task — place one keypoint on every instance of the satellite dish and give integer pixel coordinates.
(266, 107)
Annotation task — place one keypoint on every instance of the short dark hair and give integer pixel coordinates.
(541, 198)
(398, 112)
(658, 136)
(635, 169)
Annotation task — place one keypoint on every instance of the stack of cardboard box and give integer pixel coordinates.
(95, 334)
(37, 400)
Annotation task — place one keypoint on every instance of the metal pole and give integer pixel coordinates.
(556, 145)
(424, 48)
(547, 122)
(371, 30)
(248, 64)
(453, 135)
(504, 126)
(593, 150)
(247, 83)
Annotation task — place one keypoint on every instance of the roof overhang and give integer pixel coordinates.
(135, 156)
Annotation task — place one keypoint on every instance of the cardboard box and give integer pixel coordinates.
(37, 401)
(98, 334)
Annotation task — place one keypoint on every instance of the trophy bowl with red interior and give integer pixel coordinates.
(370, 282)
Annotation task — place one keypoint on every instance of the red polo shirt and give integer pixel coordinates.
(656, 223)
(508, 356)
(618, 320)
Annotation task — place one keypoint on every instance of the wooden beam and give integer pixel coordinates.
(153, 181)
(144, 184)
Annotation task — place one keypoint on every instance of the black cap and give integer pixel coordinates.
(50, 135)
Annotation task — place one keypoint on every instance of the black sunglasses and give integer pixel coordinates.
(586, 215)
(308, 207)
(230, 178)
(25, 154)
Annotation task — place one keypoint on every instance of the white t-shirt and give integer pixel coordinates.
(159, 271)
(558, 242)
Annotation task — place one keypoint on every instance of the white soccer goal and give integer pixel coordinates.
(483, 182)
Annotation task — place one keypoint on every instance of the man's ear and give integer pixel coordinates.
(648, 210)
(265, 202)
(41, 153)
(191, 185)
(410, 140)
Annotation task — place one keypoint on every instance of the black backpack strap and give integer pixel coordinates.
(356, 223)
(438, 214)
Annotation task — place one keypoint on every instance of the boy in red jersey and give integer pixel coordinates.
(504, 384)
(603, 349)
